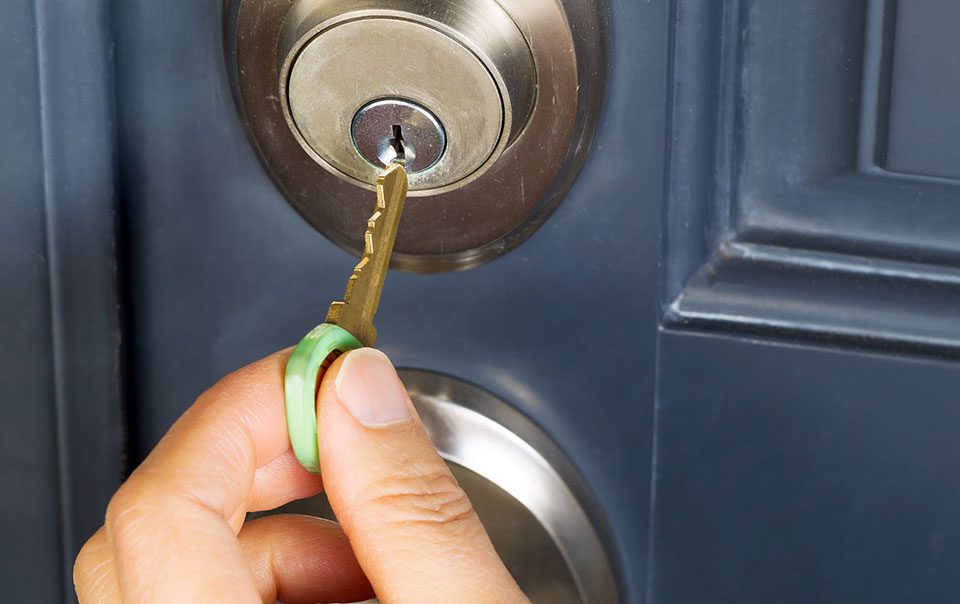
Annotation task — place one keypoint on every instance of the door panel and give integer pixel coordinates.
(784, 217)
(924, 125)
(740, 325)
(799, 474)
(28, 448)
(61, 428)
(809, 200)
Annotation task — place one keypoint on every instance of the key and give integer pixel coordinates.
(349, 322)
(355, 313)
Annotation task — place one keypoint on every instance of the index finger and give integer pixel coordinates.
(177, 515)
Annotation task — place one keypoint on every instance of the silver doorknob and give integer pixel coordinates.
(456, 77)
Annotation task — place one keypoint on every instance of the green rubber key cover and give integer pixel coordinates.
(301, 383)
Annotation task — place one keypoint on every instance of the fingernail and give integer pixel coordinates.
(369, 388)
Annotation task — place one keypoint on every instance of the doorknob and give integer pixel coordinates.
(495, 102)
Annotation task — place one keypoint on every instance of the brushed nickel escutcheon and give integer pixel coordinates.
(497, 100)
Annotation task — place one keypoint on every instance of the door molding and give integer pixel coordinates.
(783, 215)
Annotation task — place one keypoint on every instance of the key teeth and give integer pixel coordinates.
(359, 318)
(393, 172)
(335, 312)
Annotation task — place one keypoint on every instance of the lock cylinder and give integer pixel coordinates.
(455, 79)
(387, 129)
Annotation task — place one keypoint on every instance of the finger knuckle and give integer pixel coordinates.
(432, 498)
(92, 573)
(260, 378)
(84, 568)
(128, 511)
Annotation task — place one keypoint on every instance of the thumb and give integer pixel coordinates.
(413, 529)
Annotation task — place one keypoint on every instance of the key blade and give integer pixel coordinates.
(355, 313)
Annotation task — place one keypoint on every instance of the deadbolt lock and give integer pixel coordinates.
(456, 76)
(494, 103)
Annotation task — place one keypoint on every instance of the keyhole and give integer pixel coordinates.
(395, 148)
(394, 130)
(397, 143)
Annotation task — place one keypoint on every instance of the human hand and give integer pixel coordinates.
(175, 531)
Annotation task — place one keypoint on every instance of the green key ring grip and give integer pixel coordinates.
(301, 383)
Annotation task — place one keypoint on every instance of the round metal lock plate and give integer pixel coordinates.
(514, 88)
(346, 67)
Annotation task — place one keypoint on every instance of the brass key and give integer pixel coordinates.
(355, 313)
(349, 323)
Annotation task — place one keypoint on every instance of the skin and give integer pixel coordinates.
(175, 531)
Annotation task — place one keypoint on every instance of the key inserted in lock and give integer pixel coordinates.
(459, 78)
(501, 102)
(381, 127)
(394, 150)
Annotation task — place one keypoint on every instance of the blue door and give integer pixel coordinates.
(741, 324)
